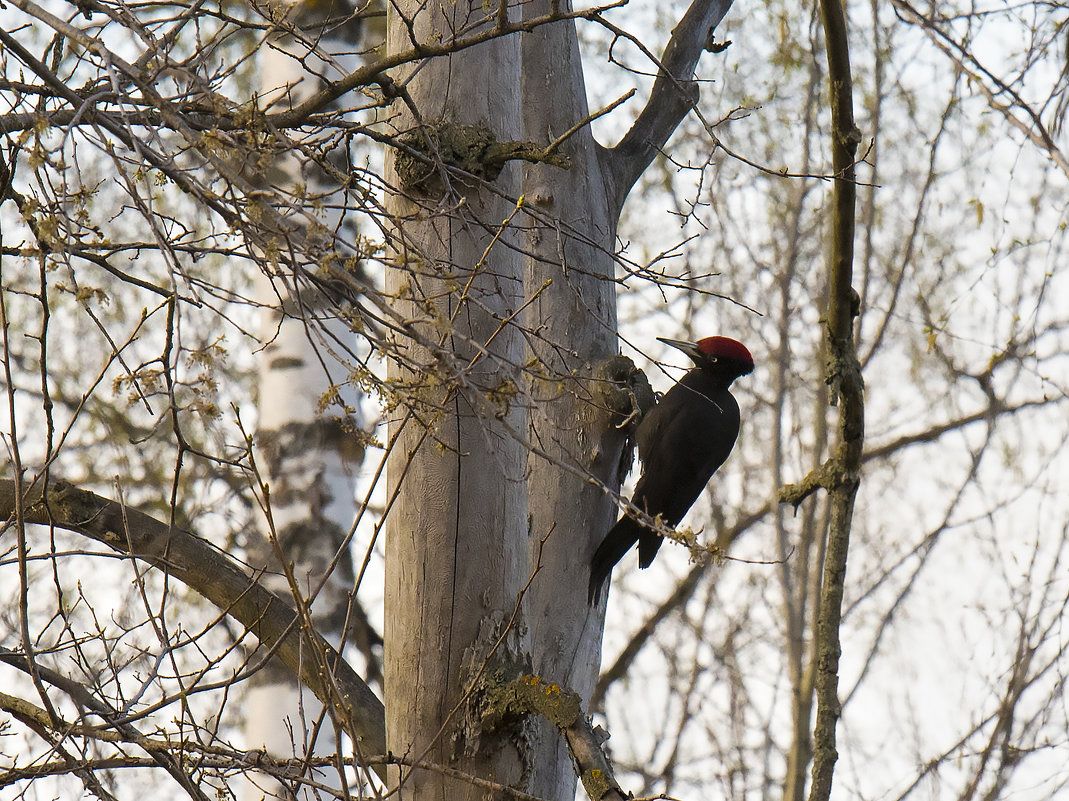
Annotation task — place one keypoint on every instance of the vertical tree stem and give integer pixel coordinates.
(844, 376)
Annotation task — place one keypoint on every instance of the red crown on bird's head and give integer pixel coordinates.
(725, 348)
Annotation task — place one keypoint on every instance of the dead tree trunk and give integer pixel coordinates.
(503, 449)
(570, 238)
(456, 534)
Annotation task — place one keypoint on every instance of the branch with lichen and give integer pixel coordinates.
(531, 695)
(829, 476)
(474, 149)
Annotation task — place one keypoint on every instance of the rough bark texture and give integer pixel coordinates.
(569, 421)
(480, 514)
(455, 538)
(571, 243)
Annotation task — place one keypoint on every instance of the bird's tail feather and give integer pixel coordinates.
(617, 542)
(648, 543)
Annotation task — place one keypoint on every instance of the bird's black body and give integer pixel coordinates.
(681, 441)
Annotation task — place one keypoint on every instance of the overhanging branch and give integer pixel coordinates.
(674, 93)
(213, 574)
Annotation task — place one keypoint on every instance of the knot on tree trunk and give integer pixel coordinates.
(425, 154)
(624, 389)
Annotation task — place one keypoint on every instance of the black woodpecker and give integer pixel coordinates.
(682, 441)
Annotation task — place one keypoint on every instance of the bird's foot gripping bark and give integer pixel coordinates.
(626, 392)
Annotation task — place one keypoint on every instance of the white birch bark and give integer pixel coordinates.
(306, 454)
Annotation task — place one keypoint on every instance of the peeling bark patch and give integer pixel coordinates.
(494, 719)
(444, 144)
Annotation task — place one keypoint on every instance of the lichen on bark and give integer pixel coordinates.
(424, 154)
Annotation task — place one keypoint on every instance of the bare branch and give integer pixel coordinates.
(981, 76)
(844, 377)
(218, 578)
(674, 94)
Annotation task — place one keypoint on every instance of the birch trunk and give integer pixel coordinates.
(306, 454)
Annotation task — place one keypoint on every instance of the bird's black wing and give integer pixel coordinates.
(682, 442)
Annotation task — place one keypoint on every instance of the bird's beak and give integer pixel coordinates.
(689, 348)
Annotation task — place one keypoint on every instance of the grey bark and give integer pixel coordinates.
(570, 242)
(481, 511)
(455, 537)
